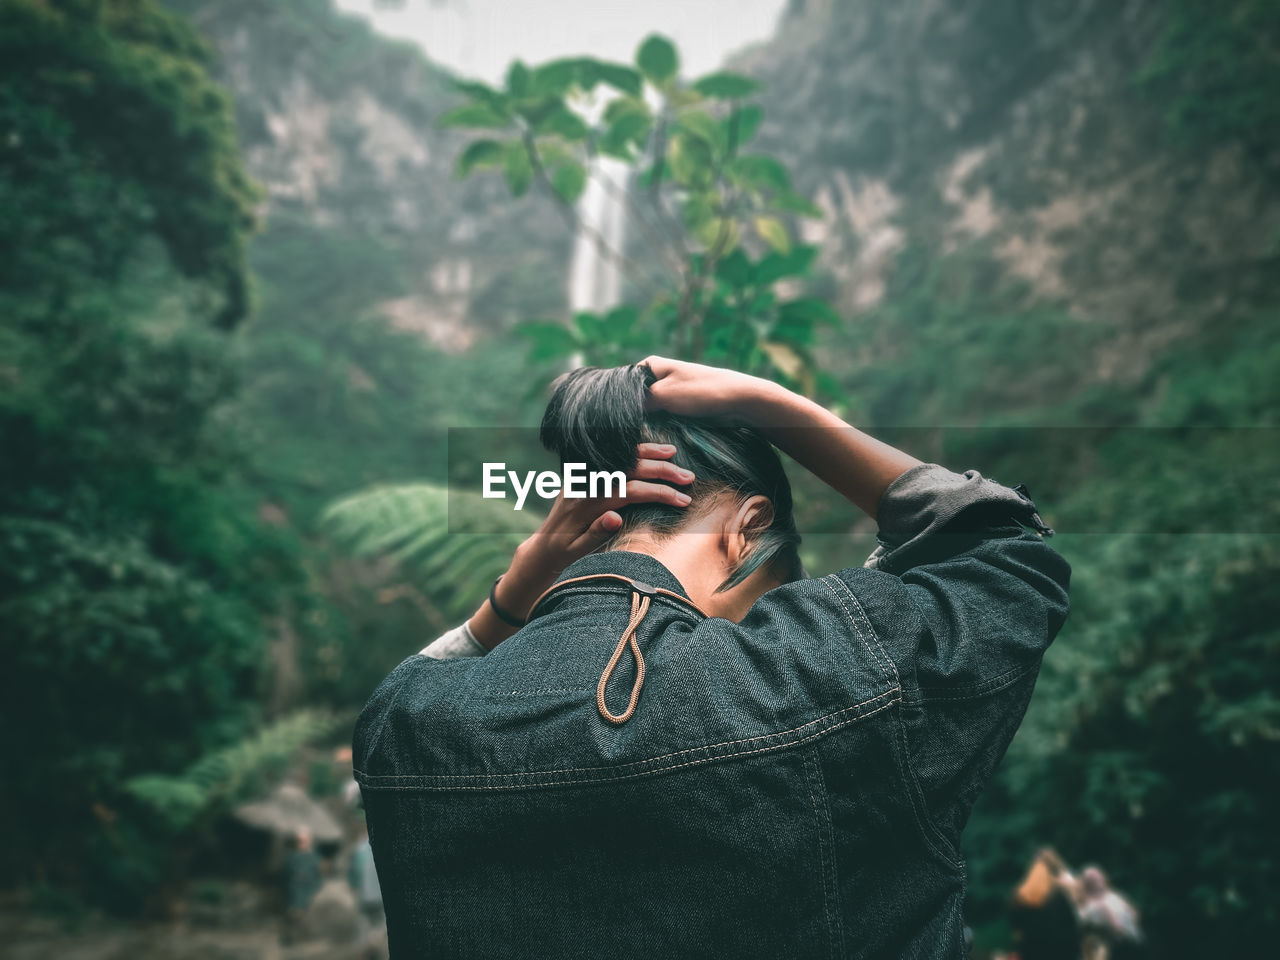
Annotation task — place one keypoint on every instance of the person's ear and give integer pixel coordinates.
(753, 516)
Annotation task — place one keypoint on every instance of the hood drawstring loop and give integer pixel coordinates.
(641, 597)
(639, 607)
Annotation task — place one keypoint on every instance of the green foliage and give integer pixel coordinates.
(725, 86)
(1216, 72)
(657, 59)
(225, 775)
(115, 133)
(442, 536)
(716, 221)
(133, 575)
(122, 662)
(1152, 741)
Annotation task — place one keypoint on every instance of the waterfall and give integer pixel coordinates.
(595, 282)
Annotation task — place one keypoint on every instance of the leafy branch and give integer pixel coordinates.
(716, 221)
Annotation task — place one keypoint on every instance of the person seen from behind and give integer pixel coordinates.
(660, 737)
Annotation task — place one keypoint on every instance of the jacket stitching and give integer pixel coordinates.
(497, 694)
(417, 785)
(665, 756)
(826, 853)
(982, 689)
(875, 638)
(929, 832)
(881, 658)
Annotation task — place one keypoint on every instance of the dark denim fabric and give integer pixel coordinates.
(791, 786)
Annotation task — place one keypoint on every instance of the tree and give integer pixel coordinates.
(717, 272)
(132, 574)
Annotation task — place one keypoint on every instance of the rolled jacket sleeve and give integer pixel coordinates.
(921, 514)
(968, 597)
(458, 642)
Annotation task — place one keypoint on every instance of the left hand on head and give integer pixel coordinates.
(575, 527)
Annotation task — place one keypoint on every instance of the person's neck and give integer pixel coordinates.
(691, 558)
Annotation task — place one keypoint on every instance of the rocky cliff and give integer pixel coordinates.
(1040, 140)
(338, 125)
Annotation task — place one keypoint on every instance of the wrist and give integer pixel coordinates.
(532, 570)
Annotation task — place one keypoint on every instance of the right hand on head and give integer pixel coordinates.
(695, 389)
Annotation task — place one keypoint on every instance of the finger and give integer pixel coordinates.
(661, 470)
(601, 529)
(638, 491)
(655, 451)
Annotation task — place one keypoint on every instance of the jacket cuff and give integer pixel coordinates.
(929, 501)
(458, 642)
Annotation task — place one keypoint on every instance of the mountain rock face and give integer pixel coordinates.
(1023, 131)
(338, 126)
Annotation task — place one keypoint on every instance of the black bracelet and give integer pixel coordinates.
(502, 614)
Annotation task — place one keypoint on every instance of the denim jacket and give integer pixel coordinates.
(794, 785)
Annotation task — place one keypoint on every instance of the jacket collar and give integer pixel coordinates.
(626, 563)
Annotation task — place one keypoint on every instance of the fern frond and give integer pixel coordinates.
(219, 776)
(456, 541)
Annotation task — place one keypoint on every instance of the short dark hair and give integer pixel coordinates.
(597, 416)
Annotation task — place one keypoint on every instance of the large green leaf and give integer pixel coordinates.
(761, 170)
(551, 340)
(563, 122)
(628, 120)
(736, 269)
(699, 207)
(569, 180)
(702, 125)
(480, 91)
(555, 78)
(657, 59)
(518, 168)
(741, 124)
(620, 77)
(480, 153)
(690, 159)
(726, 86)
(773, 232)
(774, 266)
(475, 114)
(518, 80)
(719, 234)
(809, 308)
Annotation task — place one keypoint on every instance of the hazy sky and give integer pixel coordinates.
(478, 38)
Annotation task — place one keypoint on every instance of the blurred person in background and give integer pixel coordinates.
(302, 881)
(363, 877)
(659, 738)
(1109, 921)
(1043, 912)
